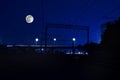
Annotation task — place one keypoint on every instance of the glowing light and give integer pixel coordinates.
(73, 39)
(36, 39)
(29, 18)
(42, 49)
(9, 45)
(79, 52)
(86, 53)
(54, 39)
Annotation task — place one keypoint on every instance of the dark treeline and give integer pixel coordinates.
(110, 39)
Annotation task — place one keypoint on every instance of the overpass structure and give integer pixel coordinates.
(65, 26)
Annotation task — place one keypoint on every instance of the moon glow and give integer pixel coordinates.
(29, 18)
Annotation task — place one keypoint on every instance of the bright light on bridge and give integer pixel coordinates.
(54, 39)
(36, 40)
(73, 39)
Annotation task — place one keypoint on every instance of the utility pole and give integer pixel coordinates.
(43, 22)
(73, 45)
(88, 35)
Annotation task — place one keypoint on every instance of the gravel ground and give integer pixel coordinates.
(56, 67)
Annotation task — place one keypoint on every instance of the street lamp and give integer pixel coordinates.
(73, 45)
(54, 39)
(73, 39)
(36, 40)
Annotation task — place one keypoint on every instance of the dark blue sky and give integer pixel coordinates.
(92, 13)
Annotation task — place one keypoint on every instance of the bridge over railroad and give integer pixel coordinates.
(43, 46)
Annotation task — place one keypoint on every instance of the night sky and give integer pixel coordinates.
(92, 13)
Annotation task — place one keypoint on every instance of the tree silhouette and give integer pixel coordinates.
(110, 37)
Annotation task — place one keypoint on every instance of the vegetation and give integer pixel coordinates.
(110, 38)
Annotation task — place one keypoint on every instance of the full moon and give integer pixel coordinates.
(29, 18)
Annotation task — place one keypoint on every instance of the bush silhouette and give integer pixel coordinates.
(91, 48)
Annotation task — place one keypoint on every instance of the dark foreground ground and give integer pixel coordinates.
(58, 67)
